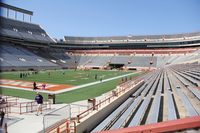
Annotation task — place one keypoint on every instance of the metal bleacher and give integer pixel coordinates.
(194, 73)
(121, 59)
(142, 109)
(190, 79)
(190, 109)
(196, 77)
(103, 125)
(23, 30)
(127, 114)
(188, 84)
(142, 61)
(99, 61)
(171, 105)
(156, 101)
(141, 112)
(14, 56)
(154, 113)
(186, 102)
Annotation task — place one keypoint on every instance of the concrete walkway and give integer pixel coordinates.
(29, 122)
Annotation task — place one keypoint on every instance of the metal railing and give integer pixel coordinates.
(67, 126)
(118, 91)
(27, 107)
(57, 117)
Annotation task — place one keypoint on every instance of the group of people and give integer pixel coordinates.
(35, 87)
(96, 77)
(23, 75)
(125, 79)
(26, 74)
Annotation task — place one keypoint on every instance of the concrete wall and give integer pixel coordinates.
(27, 68)
(90, 123)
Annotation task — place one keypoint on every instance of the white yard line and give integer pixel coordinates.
(93, 83)
(22, 88)
(72, 88)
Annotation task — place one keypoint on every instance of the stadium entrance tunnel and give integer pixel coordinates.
(116, 66)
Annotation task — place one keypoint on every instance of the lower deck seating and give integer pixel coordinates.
(163, 96)
(19, 56)
(14, 56)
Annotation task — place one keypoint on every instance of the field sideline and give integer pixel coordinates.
(68, 77)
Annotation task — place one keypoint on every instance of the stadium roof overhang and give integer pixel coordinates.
(16, 9)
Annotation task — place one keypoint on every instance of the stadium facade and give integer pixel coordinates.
(73, 51)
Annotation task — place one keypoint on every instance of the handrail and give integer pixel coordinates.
(67, 124)
(107, 99)
(66, 118)
(24, 105)
(51, 113)
(139, 51)
(166, 126)
(92, 108)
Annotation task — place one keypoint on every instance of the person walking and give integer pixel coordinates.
(43, 86)
(95, 77)
(39, 100)
(2, 114)
(34, 86)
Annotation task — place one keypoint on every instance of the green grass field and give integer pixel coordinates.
(69, 77)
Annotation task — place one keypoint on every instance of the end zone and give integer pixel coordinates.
(24, 85)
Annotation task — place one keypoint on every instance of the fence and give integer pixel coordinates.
(10, 98)
(27, 107)
(63, 115)
(118, 91)
(5, 106)
(67, 126)
(60, 117)
(7, 103)
(4, 128)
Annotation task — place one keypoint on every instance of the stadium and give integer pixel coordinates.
(113, 84)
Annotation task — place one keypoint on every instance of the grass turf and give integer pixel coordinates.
(70, 96)
(21, 93)
(89, 92)
(70, 77)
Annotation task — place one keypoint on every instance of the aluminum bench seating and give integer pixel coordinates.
(112, 116)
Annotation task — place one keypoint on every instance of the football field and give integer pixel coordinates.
(63, 79)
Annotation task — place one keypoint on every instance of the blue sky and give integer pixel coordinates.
(113, 17)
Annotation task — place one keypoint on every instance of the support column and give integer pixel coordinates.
(16, 15)
(7, 13)
(30, 18)
(23, 16)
